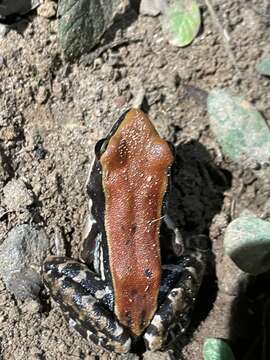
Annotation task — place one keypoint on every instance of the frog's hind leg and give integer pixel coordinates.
(179, 288)
(87, 302)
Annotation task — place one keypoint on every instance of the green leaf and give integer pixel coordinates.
(263, 66)
(82, 23)
(239, 128)
(217, 349)
(182, 21)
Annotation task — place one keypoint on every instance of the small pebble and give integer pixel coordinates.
(114, 59)
(108, 71)
(152, 7)
(120, 101)
(263, 66)
(31, 306)
(16, 195)
(59, 89)
(25, 284)
(247, 242)
(4, 29)
(47, 10)
(42, 95)
(8, 133)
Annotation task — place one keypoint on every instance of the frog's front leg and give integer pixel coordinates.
(87, 302)
(179, 288)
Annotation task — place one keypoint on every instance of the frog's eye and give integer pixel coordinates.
(100, 147)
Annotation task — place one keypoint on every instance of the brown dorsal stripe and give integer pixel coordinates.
(135, 169)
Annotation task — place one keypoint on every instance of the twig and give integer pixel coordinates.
(88, 59)
(59, 242)
(222, 32)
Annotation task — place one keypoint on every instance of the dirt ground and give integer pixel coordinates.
(52, 114)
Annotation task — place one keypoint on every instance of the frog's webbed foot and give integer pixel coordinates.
(179, 287)
(87, 302)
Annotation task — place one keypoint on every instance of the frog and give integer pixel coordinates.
(136, 279)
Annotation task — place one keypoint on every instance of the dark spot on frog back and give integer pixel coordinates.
(131, 232)
(148, 273)
(134, 292)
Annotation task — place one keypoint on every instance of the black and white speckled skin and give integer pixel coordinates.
(87, 302)
(174, 311)
(86, 296)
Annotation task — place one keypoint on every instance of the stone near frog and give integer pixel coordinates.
(17, 7)
(136, 278)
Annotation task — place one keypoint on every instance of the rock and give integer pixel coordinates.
(231, 279)
(59, 89)
(152, 7)
(247, 242)
(263, 66)
(42, 95)
(217, 349)
(233, 120)
(16, 195)
(120, 101)
(24, 284)
(21, 257)
(82, 23)
(47, 10)
(108, 71)
(17, 7)
(8, 133)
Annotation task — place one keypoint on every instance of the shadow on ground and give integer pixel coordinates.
(250, 319)
(197, 197)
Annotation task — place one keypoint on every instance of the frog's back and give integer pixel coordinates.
(135, 169)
